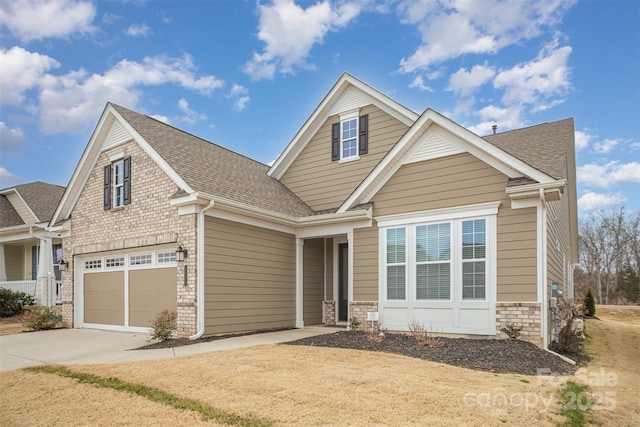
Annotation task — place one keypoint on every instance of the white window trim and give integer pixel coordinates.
(351, 115)
(116, 185)
(487, 211)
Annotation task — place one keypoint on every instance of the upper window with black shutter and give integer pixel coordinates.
(117, 184)
(349, 137)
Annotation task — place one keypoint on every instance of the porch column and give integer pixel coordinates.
(299, 283)
(46, 278)
(350, 270)
(3, 268)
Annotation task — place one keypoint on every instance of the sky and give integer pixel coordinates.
(247, 74)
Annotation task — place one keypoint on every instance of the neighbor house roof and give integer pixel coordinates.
(544, 146)
(41, 198)
(214, 170)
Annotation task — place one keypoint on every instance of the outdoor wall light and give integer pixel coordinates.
(62, 265)
(181, 253)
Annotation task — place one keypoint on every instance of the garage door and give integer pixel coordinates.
(124, 291)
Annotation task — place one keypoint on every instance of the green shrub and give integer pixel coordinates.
(26, 298)
(354, 323)
(42, 318)
(589, 304)
(164, 325)
(512, 330)
(10, 303)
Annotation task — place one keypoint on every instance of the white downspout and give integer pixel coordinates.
(200, 274)
(543, 269)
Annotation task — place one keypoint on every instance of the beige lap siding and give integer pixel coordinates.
(249, 278)
(313, 272)
(325, 184)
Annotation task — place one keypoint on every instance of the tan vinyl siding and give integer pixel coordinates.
(104, 298)
(325, 184)
(249, 278)
(313, 273)
(464, 180)
(329, 270)
(150, 291)
(365, 264)
(558, 234)
(14, 262)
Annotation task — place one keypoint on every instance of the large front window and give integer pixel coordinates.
(442, 261)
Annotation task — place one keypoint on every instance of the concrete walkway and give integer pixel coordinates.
(88, 346)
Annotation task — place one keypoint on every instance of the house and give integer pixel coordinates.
(29, 252)
(370, 208)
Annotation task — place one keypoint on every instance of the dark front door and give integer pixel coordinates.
(343, 281)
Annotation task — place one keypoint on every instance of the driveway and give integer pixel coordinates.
(88, 346)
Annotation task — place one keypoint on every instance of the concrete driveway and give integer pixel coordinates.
(87, 346)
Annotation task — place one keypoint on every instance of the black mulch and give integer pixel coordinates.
(493, 355)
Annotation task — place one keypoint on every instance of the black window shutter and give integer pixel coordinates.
(363, 136)
(107, 187)
(335, 142)
(126, 182)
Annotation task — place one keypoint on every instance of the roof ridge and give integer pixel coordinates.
(529, 127)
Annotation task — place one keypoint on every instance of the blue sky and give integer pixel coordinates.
(246, 74)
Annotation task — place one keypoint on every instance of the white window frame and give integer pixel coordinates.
(344, 118)
(450, 261)
(405, 264)
(118, 201)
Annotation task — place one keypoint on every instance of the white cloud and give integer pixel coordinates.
(538, 81)
(163, 119)
(110, 18)
(418, 83)
(465, 82)
(21, 70)
(450, 29)
(590, 200)
(7, 178)
(40, 19)
(505, 117)
(11, 139)
(583, 138)
(290, 32)
(240, 97)
(192, 116)
(604, 175)
(606, 146)
(138, 30)
(70, 102)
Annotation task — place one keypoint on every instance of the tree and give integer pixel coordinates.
(589, 304)
(629, 285)
(608, 241)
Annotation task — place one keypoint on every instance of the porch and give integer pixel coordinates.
(30, 287)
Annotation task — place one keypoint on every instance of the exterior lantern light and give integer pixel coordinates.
(181, 253)
(62, 265)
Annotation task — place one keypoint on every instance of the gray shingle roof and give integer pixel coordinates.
(42, 199)
(8, 215)
(544, 146)
(215, 170)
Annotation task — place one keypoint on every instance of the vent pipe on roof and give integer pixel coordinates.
(495, 128)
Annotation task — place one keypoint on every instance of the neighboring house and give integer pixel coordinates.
(29, 253)
(370, 208)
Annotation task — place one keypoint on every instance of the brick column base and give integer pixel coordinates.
(329, 312)
(359, 310)
(523, 314)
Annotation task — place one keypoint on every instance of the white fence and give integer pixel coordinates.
(29, 287)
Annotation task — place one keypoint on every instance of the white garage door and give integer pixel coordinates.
(124, 291)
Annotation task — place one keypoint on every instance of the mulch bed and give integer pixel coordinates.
(492, 355)
(179, 342)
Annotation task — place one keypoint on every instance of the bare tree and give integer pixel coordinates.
(609, 241)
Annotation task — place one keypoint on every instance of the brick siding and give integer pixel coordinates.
(524, 314)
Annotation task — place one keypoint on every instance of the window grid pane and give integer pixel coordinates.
(396, 282)
(349, 138)
(140, 259)
(118, 194)
(164, 257)
(433, 281)
(473, 239)
(396, 259)
(473, 280)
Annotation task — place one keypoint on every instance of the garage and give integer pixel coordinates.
(124, 291)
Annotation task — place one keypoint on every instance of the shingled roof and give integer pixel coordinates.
(544, 146)
(215, 170)
(42, 199)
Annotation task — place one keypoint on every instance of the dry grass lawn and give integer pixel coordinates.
(295, 386)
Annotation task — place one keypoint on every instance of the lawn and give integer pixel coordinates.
(293, 385)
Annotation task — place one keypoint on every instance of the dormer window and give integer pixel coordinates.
(117, 191)
(349, 137)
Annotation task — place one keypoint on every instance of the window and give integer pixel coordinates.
(473, 259)
(349, 137)
(396, 264)
(433, 261)
(114, 262)
(164, 257)
(94, 264)
(117, 191)
(140, 259)
(444, 260)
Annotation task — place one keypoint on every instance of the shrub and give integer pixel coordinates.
(10, 303)
(512, 330)
(26, 298)
(589, 304)
(42, 318)
(354, 323)
(423, 336)
(164, 325)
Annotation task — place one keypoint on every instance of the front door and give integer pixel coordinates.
(343, 282)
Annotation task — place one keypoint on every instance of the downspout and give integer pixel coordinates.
(543, 279)
(200, 274)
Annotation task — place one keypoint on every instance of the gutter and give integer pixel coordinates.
(200, 274)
